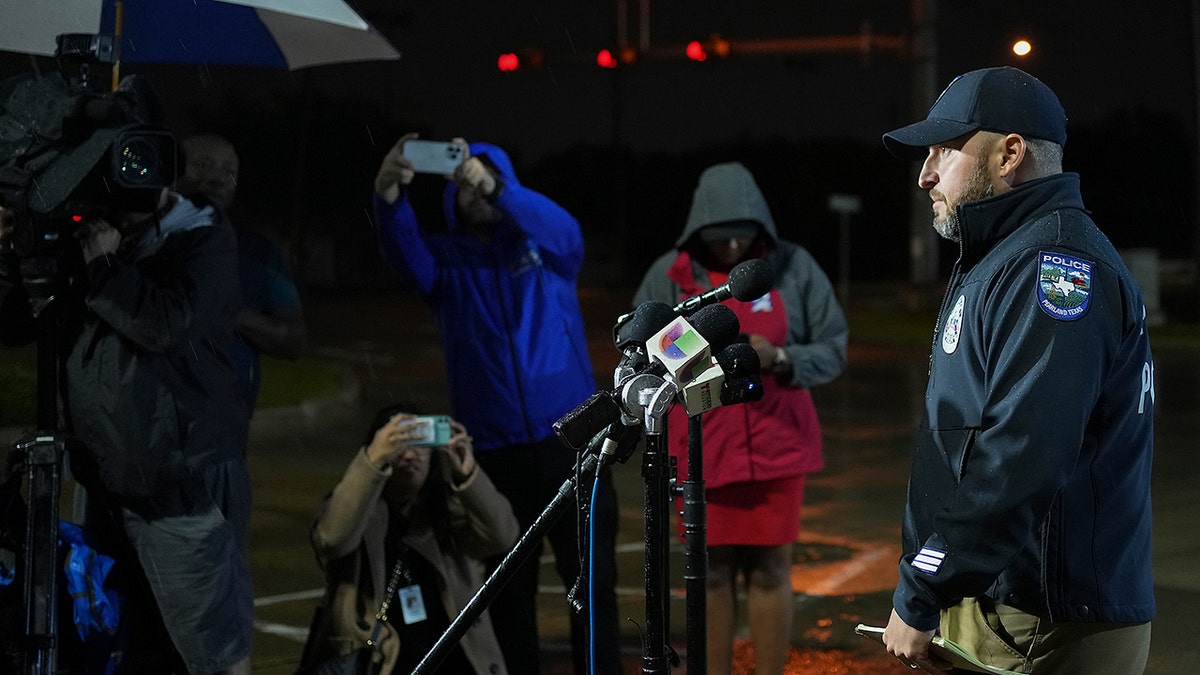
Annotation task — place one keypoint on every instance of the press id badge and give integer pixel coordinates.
(412, 604)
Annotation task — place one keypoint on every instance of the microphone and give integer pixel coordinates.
(684, 350)
(742, 382)
(630, 337)
(718, 324)
(739, 360)
(715, 325)
(742, 390)
(620, 441)
(748, 281)
(729, 381)
(703, 393)
(587, 419)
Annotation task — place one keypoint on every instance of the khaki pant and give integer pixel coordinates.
(1005, 637)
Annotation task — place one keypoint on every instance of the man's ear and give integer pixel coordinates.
(1012, 154)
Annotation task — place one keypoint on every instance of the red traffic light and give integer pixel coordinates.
(507, 63)
(605, 59)
(695, 51)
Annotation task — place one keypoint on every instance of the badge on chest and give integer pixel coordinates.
(952, 331)
(412, 604)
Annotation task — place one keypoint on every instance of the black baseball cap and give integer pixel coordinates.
(1006, 100)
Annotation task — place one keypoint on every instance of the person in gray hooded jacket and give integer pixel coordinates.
(756, 455)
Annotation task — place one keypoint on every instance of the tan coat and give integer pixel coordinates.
(348, 538)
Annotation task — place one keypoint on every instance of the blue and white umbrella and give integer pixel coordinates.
(274, 33)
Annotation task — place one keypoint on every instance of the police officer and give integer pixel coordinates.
(1027, 528)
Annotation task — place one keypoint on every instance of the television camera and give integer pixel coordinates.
(71, 152)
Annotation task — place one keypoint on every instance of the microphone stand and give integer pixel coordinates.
(657, 655)
(695, 550)
(506, 569)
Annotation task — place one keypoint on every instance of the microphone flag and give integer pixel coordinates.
(681, 350)
(704, 392)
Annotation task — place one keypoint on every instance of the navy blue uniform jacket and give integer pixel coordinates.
(1031, 477)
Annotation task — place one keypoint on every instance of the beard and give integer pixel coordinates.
(478, 216)
(979, 186)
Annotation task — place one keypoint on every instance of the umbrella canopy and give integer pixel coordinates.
(275, 33)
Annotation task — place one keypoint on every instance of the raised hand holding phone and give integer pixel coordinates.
(391, 440)
(459, 452)
(395, 171)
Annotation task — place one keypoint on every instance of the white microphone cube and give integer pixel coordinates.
(682, 351)
(704, 392)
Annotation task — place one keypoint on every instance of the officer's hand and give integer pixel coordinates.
(911, 646)
(395, 172)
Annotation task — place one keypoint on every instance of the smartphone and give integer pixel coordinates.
(440, 157)
(432, 429)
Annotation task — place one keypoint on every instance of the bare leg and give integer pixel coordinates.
(722, 608)
(769, 605)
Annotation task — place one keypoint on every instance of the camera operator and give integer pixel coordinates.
(148, 389)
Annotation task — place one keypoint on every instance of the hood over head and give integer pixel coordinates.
(497, 160)
(727, 193)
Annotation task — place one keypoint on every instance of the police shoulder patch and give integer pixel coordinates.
(1064, 285)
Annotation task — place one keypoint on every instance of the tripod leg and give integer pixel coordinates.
(43, 461)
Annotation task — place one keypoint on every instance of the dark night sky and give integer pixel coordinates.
(1122, 57)
(1126, 56)
(1125, 75)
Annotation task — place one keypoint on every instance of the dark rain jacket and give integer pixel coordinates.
(1031, 477)
(149, 388)
(507, 311)
(780, 435)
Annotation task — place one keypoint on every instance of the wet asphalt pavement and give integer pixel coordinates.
(844, 567)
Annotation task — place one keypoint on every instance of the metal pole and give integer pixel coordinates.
(844, 205)
(656, 656)
(695, 552)
(923, 242)
(512, 561)
(844, 260)
(1196, 95)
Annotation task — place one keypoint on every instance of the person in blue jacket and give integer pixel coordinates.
(501, 282)
(1027, 529)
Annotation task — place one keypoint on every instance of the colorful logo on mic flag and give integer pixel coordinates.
(680, 341)
(682, 349)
